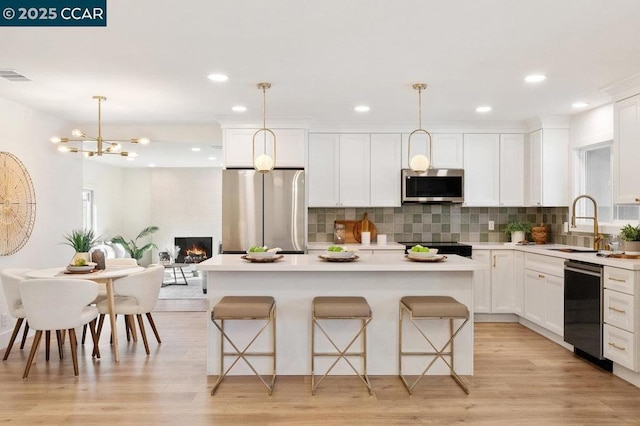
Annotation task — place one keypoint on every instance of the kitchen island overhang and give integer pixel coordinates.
(381, 278)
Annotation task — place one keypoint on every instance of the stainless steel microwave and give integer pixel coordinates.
(433, 186)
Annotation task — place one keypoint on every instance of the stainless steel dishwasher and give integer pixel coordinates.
(583, 314)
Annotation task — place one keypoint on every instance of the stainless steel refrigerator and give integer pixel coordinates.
(263, 209)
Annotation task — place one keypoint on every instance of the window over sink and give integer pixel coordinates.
(594, 176)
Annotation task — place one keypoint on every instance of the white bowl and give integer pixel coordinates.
(339, 254)
(261, 254)
(423, 254)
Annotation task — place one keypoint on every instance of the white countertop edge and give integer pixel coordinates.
(382, 262)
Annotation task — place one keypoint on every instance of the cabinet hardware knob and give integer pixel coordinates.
(611, 308)
(617, 279)
(637, 200)
(617, 347)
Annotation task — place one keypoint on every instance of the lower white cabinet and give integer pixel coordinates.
(620, 307)
(495, 287)
(544, 292)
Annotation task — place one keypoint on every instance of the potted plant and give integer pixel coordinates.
(131, 246)
(517, 230)
(631, 237)
(81, 240)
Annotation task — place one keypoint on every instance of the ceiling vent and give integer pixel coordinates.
(11, 75)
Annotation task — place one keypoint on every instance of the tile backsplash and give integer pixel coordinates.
(446, 222)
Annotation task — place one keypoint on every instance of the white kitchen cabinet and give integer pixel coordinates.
(447, 149)
(482, 283)
(481, 170)
(544, 291)
(620, 308)
(323, 173)
(518, 279)
(547, 170)
(339, 170)
(512, 157)
(626, 150)
(385, 170)
(290, 147)
(503, 283)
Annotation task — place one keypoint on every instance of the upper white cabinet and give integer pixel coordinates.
(626, 150)
(238, 147)
(481, 170)
(385, 170)
(547, 168)
(339, 167)
(447, 149)
(512, 148)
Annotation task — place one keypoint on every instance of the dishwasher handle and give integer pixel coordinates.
(583, 268)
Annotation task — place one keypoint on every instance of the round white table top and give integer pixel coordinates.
(111, 272)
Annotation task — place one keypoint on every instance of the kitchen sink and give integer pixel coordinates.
(574, 250)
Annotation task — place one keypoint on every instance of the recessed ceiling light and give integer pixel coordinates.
(195, 149)
(152, 165)
(239, 108)
(218, 77)
(362, 108)
(579, 104)
(211, 158)
(535, 78)
(483, 108)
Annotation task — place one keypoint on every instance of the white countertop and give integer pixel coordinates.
(547, 250)
(389, 262)
(373, 246)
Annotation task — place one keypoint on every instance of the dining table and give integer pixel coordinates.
(103, 276)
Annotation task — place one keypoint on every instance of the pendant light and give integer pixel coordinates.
(419, 163)
(264, 163)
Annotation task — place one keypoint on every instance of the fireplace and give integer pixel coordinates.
(193, 249)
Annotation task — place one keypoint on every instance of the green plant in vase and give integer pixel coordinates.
(517, 230)
(631, 236)
(131, 246)
(81, 240)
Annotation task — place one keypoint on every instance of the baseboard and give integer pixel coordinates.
(495, 317)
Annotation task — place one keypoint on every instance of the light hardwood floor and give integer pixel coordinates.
(521, 379)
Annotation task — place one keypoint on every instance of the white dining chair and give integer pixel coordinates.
(136, 294)
(121, 261)
(11, 278)
(59, 304)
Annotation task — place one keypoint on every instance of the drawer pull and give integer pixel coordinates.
(494, 260)
(617, 347)
(637, 200)
(611, 308)
(541, 276)
(618, 280)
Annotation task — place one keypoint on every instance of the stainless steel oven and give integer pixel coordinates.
(583, 314)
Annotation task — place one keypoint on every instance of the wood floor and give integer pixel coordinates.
(521, 379)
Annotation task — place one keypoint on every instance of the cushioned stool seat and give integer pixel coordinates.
(232, 308)
(431, 308)
(340, 308)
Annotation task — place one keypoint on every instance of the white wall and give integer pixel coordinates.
(592, 127)
(187, 203)
(106, 183)
(57, 180)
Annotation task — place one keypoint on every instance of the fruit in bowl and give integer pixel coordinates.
(257, 252)
(338, 251)
(420, 251)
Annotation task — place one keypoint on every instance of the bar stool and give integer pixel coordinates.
(340, 308)
(431, 308)
(244, 308)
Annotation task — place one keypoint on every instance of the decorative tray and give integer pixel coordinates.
(338, 259)
(624, 256)
(262, 260)
(436, 258)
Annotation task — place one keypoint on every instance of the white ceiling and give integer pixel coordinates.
(323, 58)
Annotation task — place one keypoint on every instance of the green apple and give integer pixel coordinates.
(335, 248)
(419, 248)
(257, 249)
(80, 262)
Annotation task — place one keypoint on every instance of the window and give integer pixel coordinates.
(594, 177)
(87, 209)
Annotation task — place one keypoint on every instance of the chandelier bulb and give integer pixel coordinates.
(55, 139)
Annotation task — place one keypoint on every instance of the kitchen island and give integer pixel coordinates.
(382, 279)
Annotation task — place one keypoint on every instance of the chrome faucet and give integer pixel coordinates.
(597, 238)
